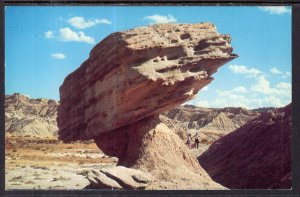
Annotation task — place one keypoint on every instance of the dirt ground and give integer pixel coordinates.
(32, 163)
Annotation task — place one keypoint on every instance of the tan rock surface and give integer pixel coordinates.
(224, 119)
(99, 180)
(150, 146)
(30, 117)
(137, 73)
(130, 77)
(127, 177)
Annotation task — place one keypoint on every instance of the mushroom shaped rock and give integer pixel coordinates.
(137, 73)
(115, 97)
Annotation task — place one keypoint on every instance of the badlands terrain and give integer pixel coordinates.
(120, 123)
(38, 160)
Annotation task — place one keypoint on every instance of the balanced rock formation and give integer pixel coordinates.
(255, 156)
(30, 117)
(137, 73)
(129, 78)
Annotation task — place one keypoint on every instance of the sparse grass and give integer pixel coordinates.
(60, 178)
(29, 182)
(37, 187)
(37, 151)
(40, 167)
(16, 178)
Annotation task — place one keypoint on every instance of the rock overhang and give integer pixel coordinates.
(134, 74)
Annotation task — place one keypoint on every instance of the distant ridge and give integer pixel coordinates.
(30, 117)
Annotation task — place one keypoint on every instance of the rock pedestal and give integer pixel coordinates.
(150, 146)
(130, 77)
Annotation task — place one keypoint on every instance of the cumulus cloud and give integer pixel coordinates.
(67, 35)
(239, 89)
(262, 86)
(49, 34)
(286, 74)
(283, 85)
(236, 100)
(82, 23)
(275, 9)
(260, 94)
(58, 55)
(244, 70)
(203, 103)
(204, 89)
(155, 19)
(275, 70)
(273, 101)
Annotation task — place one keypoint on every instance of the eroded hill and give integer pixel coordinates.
(30, 117)
(255, 156)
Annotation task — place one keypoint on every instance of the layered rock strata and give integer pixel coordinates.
(150, 146)
(118, 177)
(30, 117)
(130, 77)
(134, 74)
(255, 156)
(226, 119)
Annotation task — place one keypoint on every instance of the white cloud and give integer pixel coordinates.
(204, 89)
(283, 85)
(262, 86)
(27, 95)
(82, 23)
(275, 70)
(49, 34)
(260, 94)
(154, 19)
(273, 101)
(244, 70)
(239, 89)
(58, 55)
(235, 100)
(67, 35)
(275, 9)
(286, 74)
(203, 103)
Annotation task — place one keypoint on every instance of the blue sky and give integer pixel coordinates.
(44, 44)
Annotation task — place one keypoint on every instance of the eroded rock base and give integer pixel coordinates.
(150, 146)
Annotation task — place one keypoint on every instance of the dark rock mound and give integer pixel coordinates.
(255, 156)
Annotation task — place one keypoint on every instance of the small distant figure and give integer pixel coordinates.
(197, 141)
(189, 141)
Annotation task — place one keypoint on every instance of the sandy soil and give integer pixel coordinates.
(32, 163)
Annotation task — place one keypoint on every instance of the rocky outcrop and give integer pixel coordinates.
(134, 74)
(210, 123)
(226, 119)
(255, 156)
(30, 117)
(130, 77)
(118, 177)
(150, 146)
